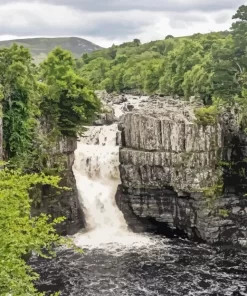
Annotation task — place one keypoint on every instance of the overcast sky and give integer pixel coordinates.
(114, 21)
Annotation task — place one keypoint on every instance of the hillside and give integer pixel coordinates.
(194, 65)
(40, 47)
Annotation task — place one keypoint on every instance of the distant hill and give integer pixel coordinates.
(40, 47)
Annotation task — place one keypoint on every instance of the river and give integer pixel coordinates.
(118, 262)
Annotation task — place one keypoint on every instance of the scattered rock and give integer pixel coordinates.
(128, 107)
(119, 100)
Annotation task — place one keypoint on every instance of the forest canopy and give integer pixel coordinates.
(203, 65)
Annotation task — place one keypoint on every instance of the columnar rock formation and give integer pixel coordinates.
(172, 174)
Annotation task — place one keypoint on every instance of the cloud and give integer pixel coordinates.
(113, 21)
(222, 18)
(36, 19)
(157, 5)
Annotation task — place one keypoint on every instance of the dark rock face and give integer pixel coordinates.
(166, 163)
(64, 202)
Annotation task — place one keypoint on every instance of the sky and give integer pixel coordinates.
(107, 22)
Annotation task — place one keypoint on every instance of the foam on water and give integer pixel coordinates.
(97, 177)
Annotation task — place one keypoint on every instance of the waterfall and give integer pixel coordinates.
(97, 177)
(96, 169)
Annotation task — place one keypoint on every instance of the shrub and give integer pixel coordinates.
(206, 115)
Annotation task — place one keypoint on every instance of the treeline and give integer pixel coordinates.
(209, 65)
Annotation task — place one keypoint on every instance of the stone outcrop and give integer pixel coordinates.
(173, 173)
(61, 203)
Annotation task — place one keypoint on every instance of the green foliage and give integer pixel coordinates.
(241, 100)
(198, 80)
(169, 37)
(22, 234)
(131, 65)
(180, 60)
(67, 101)
(18, 99)
(213, 192)
(206, 115)
(239, 32)
(202, 65)
(188, 66)
(36, 112)
(39, 106)
(225, 164)
(225, 70)
(224, 213)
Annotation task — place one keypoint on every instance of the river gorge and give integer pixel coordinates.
(140, 173)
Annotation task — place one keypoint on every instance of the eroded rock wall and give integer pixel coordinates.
(60, 203)
(166, 162)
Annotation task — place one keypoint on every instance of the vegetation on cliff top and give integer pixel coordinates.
(53, 93)
(209, 65)
(67, 100)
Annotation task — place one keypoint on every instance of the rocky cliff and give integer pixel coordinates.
(180, 177)
(63, 203)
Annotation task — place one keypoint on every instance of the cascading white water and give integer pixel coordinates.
(97, 177)
(96, 170)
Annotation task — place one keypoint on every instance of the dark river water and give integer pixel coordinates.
(165, 267)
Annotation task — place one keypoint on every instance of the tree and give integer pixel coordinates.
(68, 101)
(96, 70)
(226, 73)
(152, 75)
(169, 37)
(177, 62)
(19, 99)
(204, 65)
(198, 80)
(239, 32)
(112, 51)
(85, 58)
(137, 42)
(20, 233)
